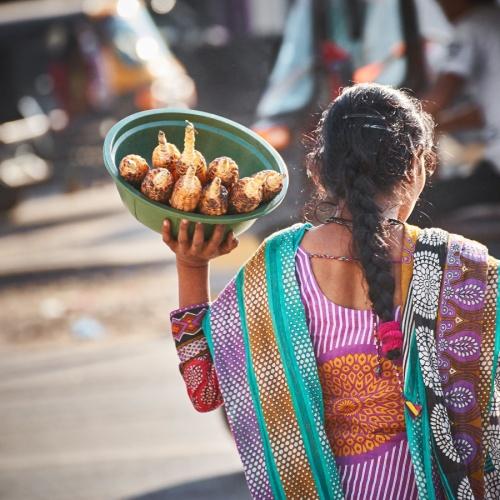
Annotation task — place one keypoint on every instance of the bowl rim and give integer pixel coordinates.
(262, 210)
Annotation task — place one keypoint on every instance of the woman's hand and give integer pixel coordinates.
(195, 251)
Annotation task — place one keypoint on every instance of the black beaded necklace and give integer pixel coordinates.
(348, 222)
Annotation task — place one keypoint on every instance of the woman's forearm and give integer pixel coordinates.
(193, 254)
(193, 284)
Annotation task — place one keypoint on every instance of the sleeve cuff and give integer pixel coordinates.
(177, 313)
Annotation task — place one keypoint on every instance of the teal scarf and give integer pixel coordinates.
(260, 344)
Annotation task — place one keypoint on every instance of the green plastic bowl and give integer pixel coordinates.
(217, 136)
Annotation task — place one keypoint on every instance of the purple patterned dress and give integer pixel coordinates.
(363, 413)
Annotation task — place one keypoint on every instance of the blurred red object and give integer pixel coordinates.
(276, 134)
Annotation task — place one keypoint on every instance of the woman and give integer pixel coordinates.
(355, 359)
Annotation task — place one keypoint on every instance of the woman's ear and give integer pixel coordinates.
(412, 186)
(416, 176)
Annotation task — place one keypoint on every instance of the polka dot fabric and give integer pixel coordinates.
(294, 315)
(275, 399)
(231, 366)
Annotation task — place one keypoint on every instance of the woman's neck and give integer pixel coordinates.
(389, 212)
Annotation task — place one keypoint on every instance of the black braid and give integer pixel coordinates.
(365, 144)
(368, 234)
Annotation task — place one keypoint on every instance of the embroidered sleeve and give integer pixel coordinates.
(196, 365)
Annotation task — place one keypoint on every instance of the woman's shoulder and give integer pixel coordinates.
(292, 232)
(455, 242)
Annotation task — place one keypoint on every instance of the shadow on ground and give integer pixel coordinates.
(229, 487)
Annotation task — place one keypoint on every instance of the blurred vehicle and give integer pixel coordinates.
(70, 69)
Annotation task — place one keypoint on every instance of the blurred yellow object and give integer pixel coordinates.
(103, 8)
(138, 61)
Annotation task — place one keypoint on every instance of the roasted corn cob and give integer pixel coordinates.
(214, 198)
(133, 168)
(225, 168)
(166, 154)
(158, 184)
(190, 156)
(187, 191)
(272, 183)
(245, 195)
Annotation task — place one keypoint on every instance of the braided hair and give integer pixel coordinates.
(366, 141)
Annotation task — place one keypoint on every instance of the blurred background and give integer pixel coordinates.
(92, 405)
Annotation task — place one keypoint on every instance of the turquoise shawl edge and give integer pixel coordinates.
(415, 391)
(322, 465)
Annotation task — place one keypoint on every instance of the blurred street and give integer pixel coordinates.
(93, 405)
(108, 420)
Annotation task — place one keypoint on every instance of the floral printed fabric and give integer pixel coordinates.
(452, 294)
(454, 340)
(196, 365)
(459, 335)
(364, 412)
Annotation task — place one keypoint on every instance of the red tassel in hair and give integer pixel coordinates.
(391, 339)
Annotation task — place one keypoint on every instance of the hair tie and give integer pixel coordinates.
(391, 339)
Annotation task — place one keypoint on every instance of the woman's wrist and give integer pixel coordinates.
(191, 264)
(193, 282)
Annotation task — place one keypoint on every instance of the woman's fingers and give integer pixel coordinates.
(216, 239)
(166, 234)
(183, 236)
(197, 246)
(198, 238)
(234, 241)
(230, 243)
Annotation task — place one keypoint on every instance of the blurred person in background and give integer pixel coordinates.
(471, 69)
(328, 45)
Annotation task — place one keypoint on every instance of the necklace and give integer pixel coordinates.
(348, 223)
(343, 258)
(341, 221)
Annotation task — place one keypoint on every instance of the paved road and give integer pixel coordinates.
(68, 232)
(108, 420)
(82, 231)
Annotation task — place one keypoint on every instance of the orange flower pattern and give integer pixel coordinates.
(362, 411)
